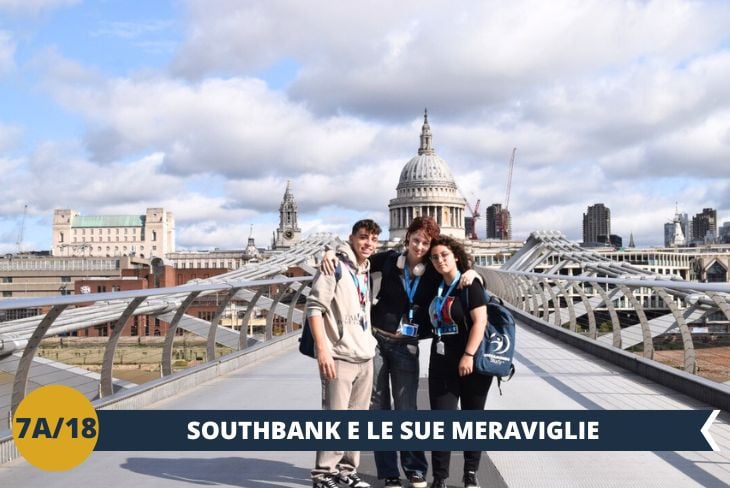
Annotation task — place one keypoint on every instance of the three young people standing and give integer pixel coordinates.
(400, 316)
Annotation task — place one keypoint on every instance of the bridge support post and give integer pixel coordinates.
(524, 286)
(213, 329)
(556, 302)
(20, 384)
(106, 386)
(534, 292)
(512, 290)
(564, 290)
(243, 337)
(690, 360)
(721, 303)
(545, 286)
(608, 301)
(293, 306)
(170, 337)
(272, 312)
(578, 287)
(645, 331)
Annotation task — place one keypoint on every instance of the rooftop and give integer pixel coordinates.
(86, 221)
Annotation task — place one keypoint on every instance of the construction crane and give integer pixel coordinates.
(471, 222)
(19, 243)
(505, 211)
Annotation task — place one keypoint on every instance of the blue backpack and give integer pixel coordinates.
(306, 341)
(497, 349)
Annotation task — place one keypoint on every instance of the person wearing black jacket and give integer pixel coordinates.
(399, 317)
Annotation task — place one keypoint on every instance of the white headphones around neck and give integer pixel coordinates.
(418, 269)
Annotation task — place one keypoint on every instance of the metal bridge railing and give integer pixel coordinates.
(676, 322)
(49, 349)
(34, 351)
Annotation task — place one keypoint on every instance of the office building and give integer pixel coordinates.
(704, 226)
(146, 236)
(499, 222)
(596, 223)
(724, 233)
(612, 240)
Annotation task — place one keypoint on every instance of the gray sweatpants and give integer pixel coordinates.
(350, 390)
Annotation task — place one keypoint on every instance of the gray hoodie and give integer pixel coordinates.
(338, 302)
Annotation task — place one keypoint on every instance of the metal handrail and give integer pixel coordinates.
(20, 340)
(611, 289)
(114, 297)
(648, 281)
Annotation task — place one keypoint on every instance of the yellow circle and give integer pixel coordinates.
(55, 428)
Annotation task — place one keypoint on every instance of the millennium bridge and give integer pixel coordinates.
(593, 334)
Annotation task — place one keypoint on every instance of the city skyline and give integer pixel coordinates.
(208, 108)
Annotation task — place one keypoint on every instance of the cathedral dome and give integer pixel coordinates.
(426, 170)
(427, 187)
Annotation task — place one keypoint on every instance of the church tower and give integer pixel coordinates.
(288, 232)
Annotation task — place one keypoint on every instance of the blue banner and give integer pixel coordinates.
(372, 430)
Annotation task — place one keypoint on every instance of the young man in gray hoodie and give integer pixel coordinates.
(338, 309)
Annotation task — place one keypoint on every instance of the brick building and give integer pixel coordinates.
(163, 276)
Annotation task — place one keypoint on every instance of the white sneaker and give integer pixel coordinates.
(352, 480)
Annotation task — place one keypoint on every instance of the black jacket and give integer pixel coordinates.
(392, 299)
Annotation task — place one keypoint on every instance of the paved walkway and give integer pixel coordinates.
(550, 376)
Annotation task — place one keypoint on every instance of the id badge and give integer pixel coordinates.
(409, 330)
(440, 349)
(450, 329)
(363, 321)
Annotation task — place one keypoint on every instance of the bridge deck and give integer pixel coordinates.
(550, 376)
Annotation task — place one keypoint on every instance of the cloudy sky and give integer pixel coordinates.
(208, 107)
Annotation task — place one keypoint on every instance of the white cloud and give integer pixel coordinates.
(70, 181)
(59, 73)
(452, 57)
(206, 222)
(34, 6)
(212, 234)
(115, 189)
(11, 198)
(130, 30)
(236, 127)
(359, 188)
(694, 150)
(10, 136)
(7, 52)
(80, 183)
(625, 103)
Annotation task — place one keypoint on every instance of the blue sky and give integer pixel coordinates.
(208, 108)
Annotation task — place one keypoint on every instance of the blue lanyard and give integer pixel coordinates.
(362, 286)
(410, 288)
(442, 299)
